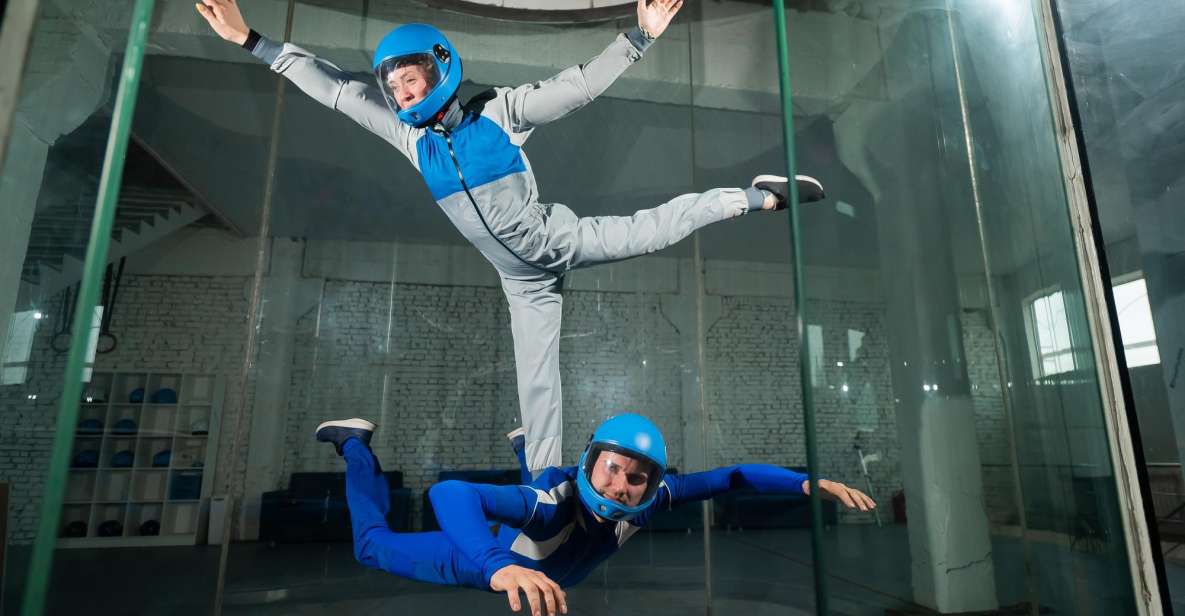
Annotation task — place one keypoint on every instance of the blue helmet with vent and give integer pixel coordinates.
(622, 467)
(411, 58)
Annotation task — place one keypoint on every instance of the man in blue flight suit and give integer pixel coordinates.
(471, 158)
(555, 530)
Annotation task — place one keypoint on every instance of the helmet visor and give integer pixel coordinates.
(621, 475)
(406, 80)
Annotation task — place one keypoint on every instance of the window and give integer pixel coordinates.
(18, 346)
(1135, 323)
(814, 336)
(92, 344)
(855, 342)
(1049, 335)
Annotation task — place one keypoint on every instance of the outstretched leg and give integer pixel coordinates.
(536, 307)
(424, 557)
(603, 239)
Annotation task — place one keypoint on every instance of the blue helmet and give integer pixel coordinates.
(637, 478)
(424, 46)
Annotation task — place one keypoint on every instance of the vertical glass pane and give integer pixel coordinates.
(760, 535)
(946, 239)
(1124, 66)
(121, 507)
(378, 303)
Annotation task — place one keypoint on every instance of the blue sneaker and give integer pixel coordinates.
(809, 189)
(339, 431)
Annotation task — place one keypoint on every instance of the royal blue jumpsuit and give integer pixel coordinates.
(544, 525)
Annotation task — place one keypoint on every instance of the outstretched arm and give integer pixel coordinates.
(465, 510)
(764, 478)
(542, 102)
(324, 82)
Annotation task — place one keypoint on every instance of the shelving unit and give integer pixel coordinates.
(159, 467)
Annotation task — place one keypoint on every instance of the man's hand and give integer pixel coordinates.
(655, 15)
(226, 20)
(513, 578)
(850, 497)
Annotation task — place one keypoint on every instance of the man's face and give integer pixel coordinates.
(620, 478)
(409, 85)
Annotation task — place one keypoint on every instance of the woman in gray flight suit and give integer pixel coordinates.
(471, 157)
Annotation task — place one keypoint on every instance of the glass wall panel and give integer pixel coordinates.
(954, 378)
(136, 492)
(373, 305)
(760, 559)
(1125, 73)
(274, 265)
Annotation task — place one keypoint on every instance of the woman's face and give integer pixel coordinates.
(409, 85)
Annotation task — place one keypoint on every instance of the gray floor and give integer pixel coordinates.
(753, 573)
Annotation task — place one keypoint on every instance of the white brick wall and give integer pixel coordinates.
(991, 429)
(755, 396)
(183, 323)
(448, 374)
(755, 393)
(441, 382)
(187, 324)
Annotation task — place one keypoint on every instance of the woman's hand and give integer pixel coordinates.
(655, 15)
(226, 20)
(834, 490)
(542, 593)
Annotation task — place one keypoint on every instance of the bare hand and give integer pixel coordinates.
(542, 593)
(226, 20)
(655, 15)
(834, 490)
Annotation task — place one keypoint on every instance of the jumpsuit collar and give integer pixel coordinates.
(453, 114)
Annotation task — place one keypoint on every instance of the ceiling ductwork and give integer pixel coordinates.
(593, 11)
(541, 11)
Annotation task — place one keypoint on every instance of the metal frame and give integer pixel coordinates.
(822, 597)
(543, 16)
(1114, 388)
(41, 561)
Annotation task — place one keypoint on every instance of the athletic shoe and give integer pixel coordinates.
(341, 430)
(809, 189)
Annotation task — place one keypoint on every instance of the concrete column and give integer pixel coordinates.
(682, 309)
(286, 296)
(892, 147)
(950, 547)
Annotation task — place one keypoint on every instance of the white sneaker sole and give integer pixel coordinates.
(359, 424)
(519, 431)
(779, 178)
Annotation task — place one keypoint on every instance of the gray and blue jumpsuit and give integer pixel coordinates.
(474, 165)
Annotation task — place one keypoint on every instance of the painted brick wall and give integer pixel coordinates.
(182, 323)
(188, 324)
(755, 391)
(440, 379)
(991, 427)
(755, 396)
